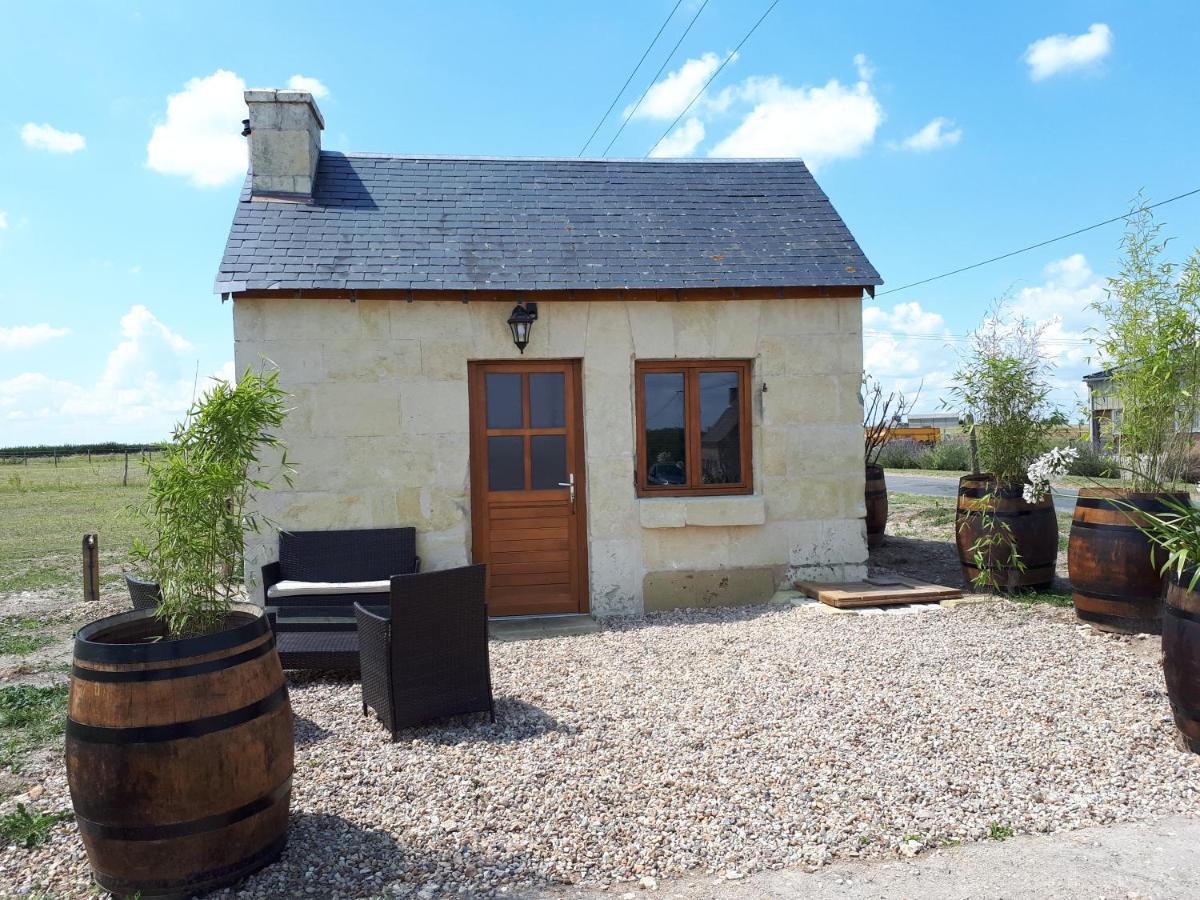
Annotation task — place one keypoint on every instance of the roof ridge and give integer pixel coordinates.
(466, 157)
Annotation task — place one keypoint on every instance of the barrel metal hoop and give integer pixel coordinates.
(1118, 621)
(1171, 609)
(148, 734)
(204, 668)
(165, 651)
(1014, 514)
(173, 830)
(1153, 504)
(1118, 598)
(1105, 526)
(200, 882)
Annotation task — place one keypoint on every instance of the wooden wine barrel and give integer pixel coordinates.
(179, 753)
(1181, 658)
(1034, 529)
(877, 505)
(1115, 582)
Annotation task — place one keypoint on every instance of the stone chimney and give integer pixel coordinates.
(285, 142)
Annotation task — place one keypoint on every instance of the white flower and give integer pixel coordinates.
(1050, 465)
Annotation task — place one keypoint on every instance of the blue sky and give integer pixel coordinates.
(944, 133)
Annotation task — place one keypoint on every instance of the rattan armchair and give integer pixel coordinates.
(144, 594)
(429, 660)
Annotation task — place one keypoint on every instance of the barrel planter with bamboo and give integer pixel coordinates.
(1115, 583)
(877, 505)
(983, 506)
(1181, 657)
(179, 753)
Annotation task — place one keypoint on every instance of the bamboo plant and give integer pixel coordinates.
(1151, 341)
(199, 504)
(1003, 388)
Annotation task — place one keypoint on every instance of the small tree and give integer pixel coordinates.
(1003, 387)
(880, 412)
(199, 500)
(1152, 314)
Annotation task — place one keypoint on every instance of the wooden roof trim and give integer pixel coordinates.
(661, 295)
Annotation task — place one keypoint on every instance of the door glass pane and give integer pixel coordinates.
(503, 391)
(506, 462)
(663, 395)
(720, 428)
(548, 454)
(546, 409)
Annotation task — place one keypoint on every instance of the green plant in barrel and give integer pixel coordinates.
(199, 500)
(1149, 339)
(1003, 388)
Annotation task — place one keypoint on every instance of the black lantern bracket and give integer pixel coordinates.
(520, 323)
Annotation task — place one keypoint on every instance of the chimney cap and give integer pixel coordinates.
(272, 95)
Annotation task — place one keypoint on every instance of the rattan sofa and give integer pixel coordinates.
(428, 659)
(319, 577)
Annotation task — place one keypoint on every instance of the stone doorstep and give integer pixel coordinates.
(529, 628)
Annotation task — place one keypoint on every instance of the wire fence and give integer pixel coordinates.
(33, 468)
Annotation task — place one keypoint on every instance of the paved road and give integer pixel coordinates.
(1154, 860)
(939, 486)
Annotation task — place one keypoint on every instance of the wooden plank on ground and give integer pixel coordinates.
(877, 591)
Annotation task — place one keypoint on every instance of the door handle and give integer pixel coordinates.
(570, 484)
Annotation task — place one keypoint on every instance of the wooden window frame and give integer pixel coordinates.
(691, 369)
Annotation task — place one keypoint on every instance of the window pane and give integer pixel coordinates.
(546, 408)
(503, 399)
(663, 395)
(506, 463)
(720, 428)
(548, 459)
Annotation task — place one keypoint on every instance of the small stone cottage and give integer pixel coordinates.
(624, 385)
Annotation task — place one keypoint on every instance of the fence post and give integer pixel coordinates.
(125, 477)
(55, 459)
(973, 444)
(91, 567)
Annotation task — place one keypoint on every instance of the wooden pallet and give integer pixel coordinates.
(877, 591)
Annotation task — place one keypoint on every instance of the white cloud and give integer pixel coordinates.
(147, 384)
(669, 97)
(22, 337)
(863, 66)
(682, 141)
(48, 138)
(818, 124)
(906, 349)
(312, 85)
(937, 134)
(201, 136)
(1067, 53)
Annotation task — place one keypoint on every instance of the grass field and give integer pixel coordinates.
(47, 509)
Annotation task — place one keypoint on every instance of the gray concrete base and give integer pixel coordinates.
(528, 628)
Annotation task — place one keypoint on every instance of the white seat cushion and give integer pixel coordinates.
(308, 588)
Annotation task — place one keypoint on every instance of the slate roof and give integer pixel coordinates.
(391, 222)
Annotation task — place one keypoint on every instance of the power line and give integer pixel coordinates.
(654, 80)
(1061, 237)
(649, 47)
(949, 338)
(723, 64)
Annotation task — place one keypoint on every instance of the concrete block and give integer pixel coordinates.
(664, 512)
(703, 589)
(741, 510)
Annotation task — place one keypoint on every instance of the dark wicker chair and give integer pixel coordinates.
(430, 660)
(144, 594)
(319, 631)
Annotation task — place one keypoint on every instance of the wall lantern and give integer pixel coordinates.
(521, 323)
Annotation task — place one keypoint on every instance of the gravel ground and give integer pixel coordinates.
(719, 742)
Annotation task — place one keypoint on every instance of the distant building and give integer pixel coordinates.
(946, 421)
(1104, 407)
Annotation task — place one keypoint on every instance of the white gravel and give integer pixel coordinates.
(722, 742)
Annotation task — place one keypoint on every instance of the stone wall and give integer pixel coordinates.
(379, 432)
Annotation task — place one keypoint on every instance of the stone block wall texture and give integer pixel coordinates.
(379, 432)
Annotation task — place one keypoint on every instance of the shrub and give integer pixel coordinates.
(952, 456)
(1093, 463)
(901, 455)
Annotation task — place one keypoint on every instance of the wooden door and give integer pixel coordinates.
(528, 521)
